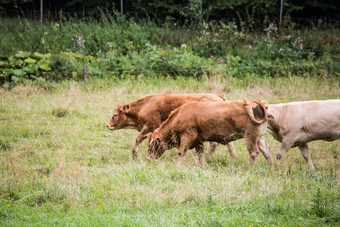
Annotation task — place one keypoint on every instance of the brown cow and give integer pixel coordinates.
(147, 114)
(193, 123)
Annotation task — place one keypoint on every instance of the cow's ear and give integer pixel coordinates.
(270, 116)
(126, 108)
(265, 103)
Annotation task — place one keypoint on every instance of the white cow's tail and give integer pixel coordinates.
(259, 111)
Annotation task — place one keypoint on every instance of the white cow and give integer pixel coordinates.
(297, 123)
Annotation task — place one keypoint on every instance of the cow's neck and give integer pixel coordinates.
(135, 122)
(169, 136)
(274, 124)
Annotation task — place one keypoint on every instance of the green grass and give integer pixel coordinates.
(60, 165)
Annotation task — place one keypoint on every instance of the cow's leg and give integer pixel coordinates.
(252, 148)
(186, 141)
(200, 151)
(264, 148)
(231, 149)
(213, 147)
(140, 137)
(182, 150)
(285, 145)
(306, 154)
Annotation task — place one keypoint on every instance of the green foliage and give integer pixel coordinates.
(285, 48)
(247, 13)
(324, 205)
(23, 66)
(216, 39)
(175, 61)
(115, 47)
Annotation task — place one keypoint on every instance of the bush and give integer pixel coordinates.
(23, 66)
(216, 40)
(175, 61)
(116, 47)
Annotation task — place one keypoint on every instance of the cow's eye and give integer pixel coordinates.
(114, 116)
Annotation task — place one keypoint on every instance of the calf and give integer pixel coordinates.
(193, 123)
(147, 114)
(297, 123)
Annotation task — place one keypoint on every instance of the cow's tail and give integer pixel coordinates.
(258, 112)
(222, 97)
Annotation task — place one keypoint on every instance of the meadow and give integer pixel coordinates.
(60, 165)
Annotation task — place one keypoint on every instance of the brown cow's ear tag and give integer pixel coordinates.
(126, 108)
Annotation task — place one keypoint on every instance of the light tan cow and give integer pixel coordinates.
(297, 123)
(193, 123)
(147, 114)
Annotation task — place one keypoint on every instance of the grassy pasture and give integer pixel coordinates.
(60, 165)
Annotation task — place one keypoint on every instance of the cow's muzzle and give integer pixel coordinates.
(109, 127)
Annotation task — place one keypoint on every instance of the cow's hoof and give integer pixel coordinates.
(311, 167)
(134, 157)
(270, 163)
(278, 157)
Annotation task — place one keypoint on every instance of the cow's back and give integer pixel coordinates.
(211, 119)
(307, 120)
(161, 105)
(321, 119)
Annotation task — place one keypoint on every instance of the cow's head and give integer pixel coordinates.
(156, 146)
(270, 115)
(120, 118)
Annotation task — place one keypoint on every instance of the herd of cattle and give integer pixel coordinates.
(186, 121)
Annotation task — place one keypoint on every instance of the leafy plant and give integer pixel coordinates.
(323, 206)
(23, 66)
(214, 39)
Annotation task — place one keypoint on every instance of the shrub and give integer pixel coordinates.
(214, 40)
(272, 46)
(24, 65)
(175, 61)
